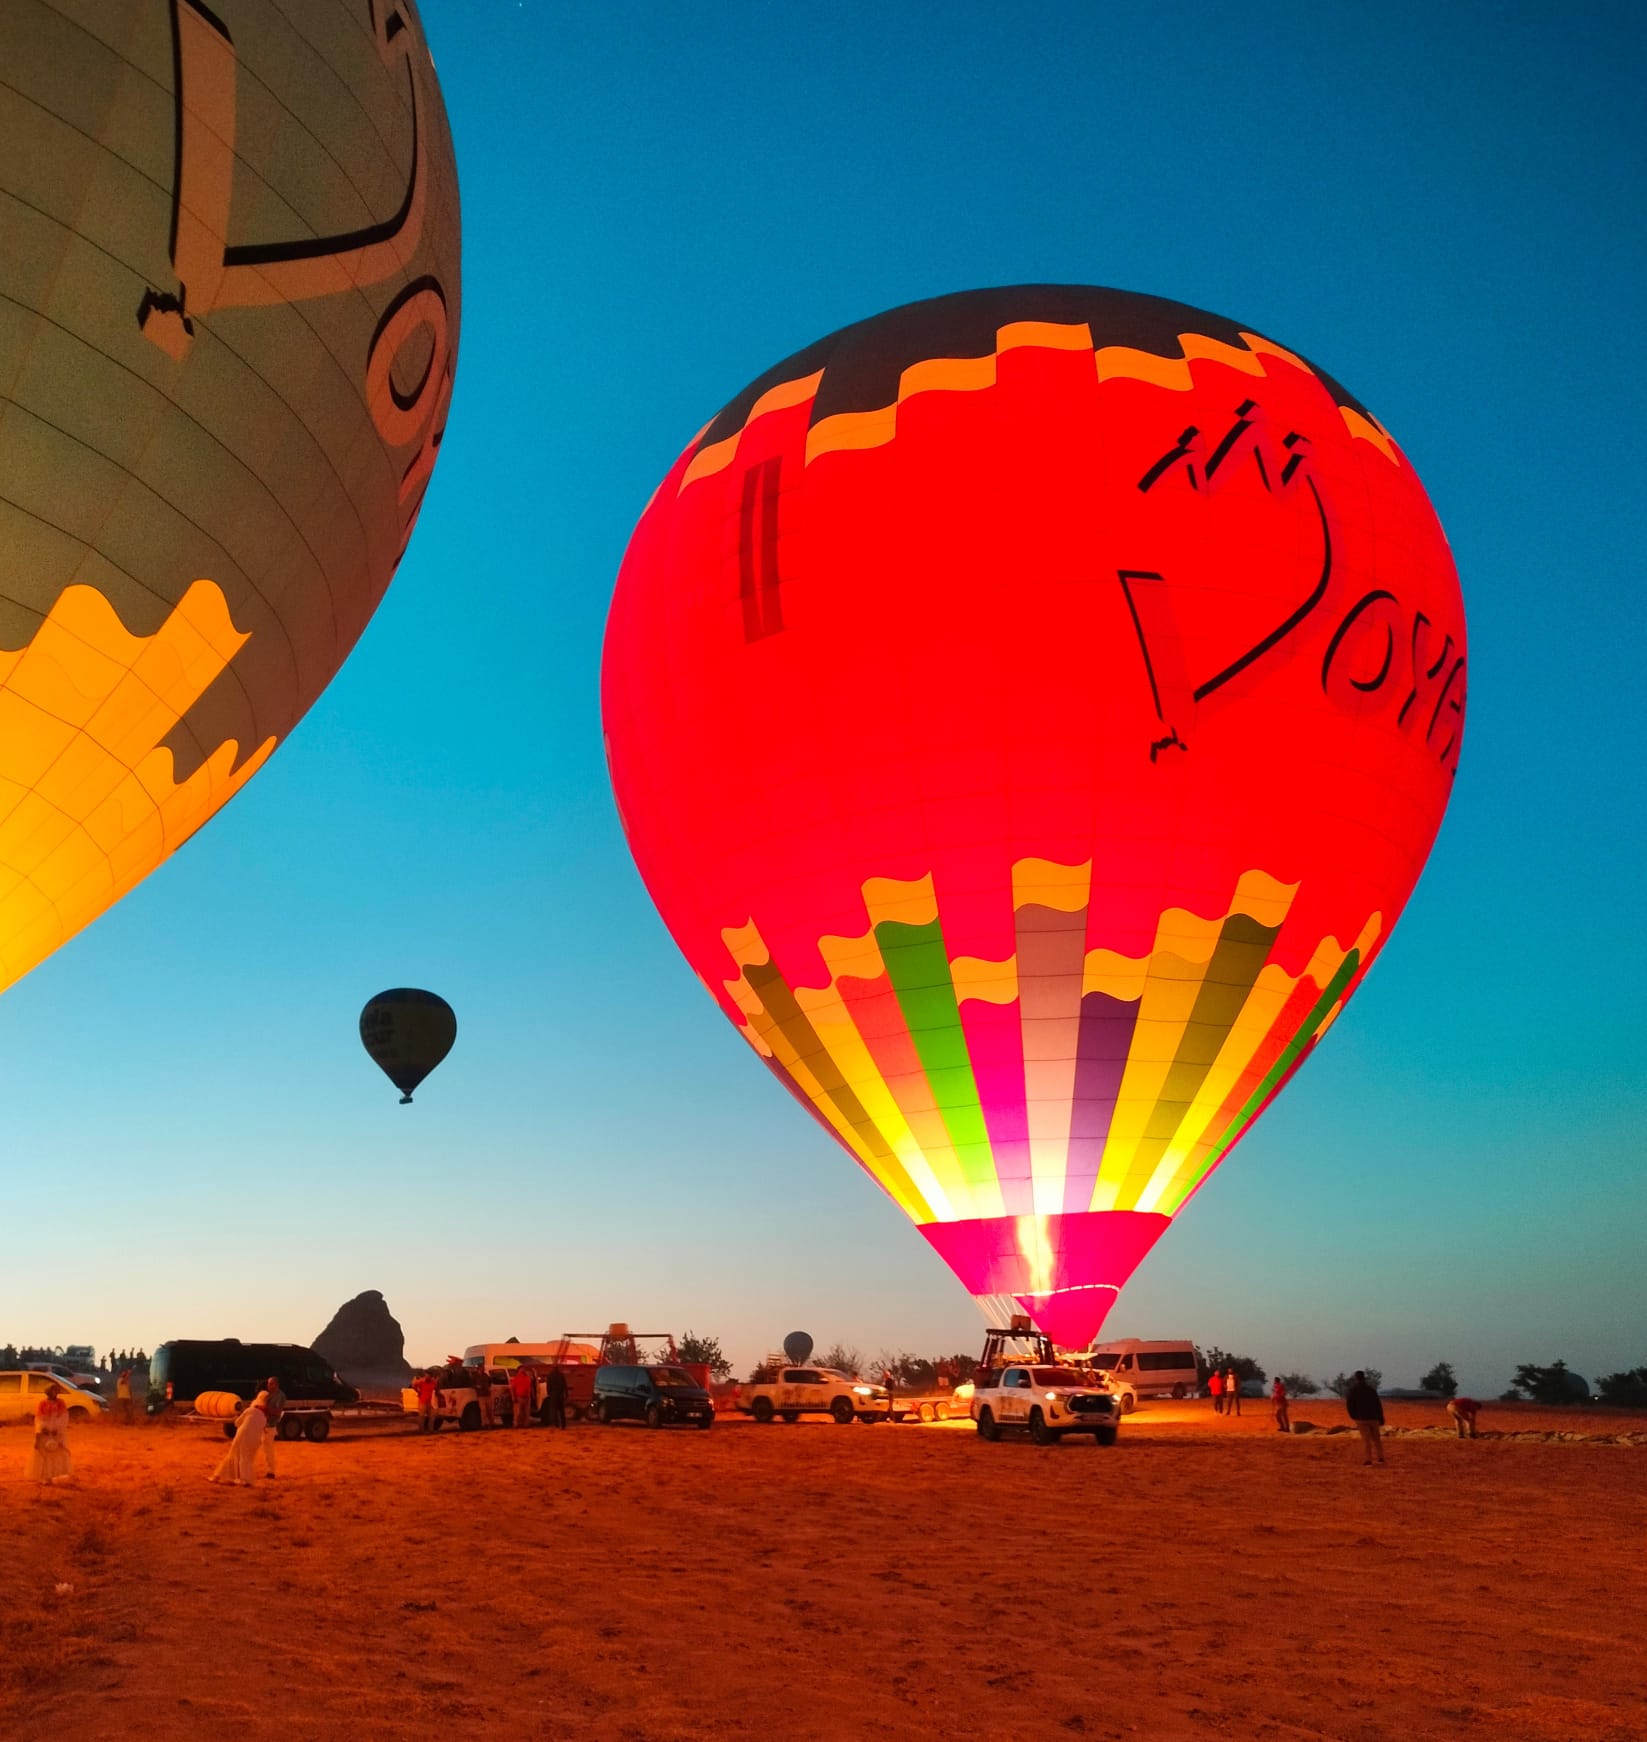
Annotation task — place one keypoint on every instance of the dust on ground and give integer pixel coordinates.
(1203, 1578)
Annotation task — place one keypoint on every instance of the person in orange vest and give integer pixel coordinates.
(520, 1390)
(1215, 1390)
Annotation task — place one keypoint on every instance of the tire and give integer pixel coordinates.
(1128, 1403)
(1039, 1431)
(792, 1416)
(654, 1416)
(601, 1413)
(1105, 1436)
(469, 1421)
(842, 1411)
(316, 1428)
(872, 1420)
(1179, 1392)
(762, 1410)
(988, 1427)
(927, 1412)
(707, 1422)
(290, 1428)
(79, 1413)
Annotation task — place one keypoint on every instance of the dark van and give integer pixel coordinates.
(658, 1396)
(180, 1371)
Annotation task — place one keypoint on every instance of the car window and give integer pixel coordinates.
(1015, 1377)
(803, 1376)
(11, 1382)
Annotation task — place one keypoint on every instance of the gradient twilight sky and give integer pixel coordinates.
(1442, 205)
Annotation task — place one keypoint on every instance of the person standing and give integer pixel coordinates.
(273, 1409)
(1366, 1410)
(240, 1460)
(1215, 1390)
(520, 1394)
(1464, 1410)
(123, 1397)
(424, 1389)
(483, 1397)
(49, 1456)
(1278, 1402)
(555, 1392)
(1232, 1392)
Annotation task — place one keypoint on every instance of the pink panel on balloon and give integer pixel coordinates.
(1065, 1271)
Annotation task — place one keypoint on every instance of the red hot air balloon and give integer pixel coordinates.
(1030, 711)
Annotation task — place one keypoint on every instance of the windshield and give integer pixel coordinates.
(1057, 1376)
(673, 1379)
(1105, 1362)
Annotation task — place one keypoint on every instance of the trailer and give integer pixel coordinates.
(309, 1421)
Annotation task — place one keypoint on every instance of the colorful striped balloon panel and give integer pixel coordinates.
(1066, 1078)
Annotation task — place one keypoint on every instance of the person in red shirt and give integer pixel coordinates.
(1464, 1410)
(520, 1390)
(424, 1387)
(1215, 1389)
(1278, 1402)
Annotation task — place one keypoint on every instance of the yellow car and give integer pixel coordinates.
(22, 1392)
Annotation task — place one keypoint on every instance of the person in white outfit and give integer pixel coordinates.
(49, 1458)
(238, 1466)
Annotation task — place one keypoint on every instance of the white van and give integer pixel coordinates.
(1151, 1369)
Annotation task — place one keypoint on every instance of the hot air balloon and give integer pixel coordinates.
(407, 1032)
(229, 277)
(1030, 711)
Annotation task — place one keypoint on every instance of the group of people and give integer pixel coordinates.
(1225, 1391)
(517, 1381)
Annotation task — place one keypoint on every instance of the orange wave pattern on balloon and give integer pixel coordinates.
(88, 803)
(1063, 1078)
(876, 427)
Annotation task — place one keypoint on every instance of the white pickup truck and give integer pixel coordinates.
(1050, 1402)
(791, 1392)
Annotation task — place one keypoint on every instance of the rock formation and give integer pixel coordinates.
(365, 1344)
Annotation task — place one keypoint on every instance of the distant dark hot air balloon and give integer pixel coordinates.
(408, 1033)
(798, 1347)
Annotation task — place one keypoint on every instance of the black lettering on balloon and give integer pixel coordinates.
(1150, 607)
(1243, 422)
(1455, 705)
(1351, 618)
(1181, 452)
(1288, 624)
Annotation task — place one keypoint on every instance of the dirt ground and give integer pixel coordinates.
(1203, 1578)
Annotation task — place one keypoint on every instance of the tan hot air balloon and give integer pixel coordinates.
(229, 308)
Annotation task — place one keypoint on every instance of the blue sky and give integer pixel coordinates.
(1440, 205)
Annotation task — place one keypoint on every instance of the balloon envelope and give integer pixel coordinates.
(1030, 711)
(407, 1032)
(797, 1347)
(229, 283)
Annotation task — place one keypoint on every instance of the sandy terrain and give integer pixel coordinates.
(1204, 1578)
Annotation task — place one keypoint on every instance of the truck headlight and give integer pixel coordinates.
(862, 1391)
